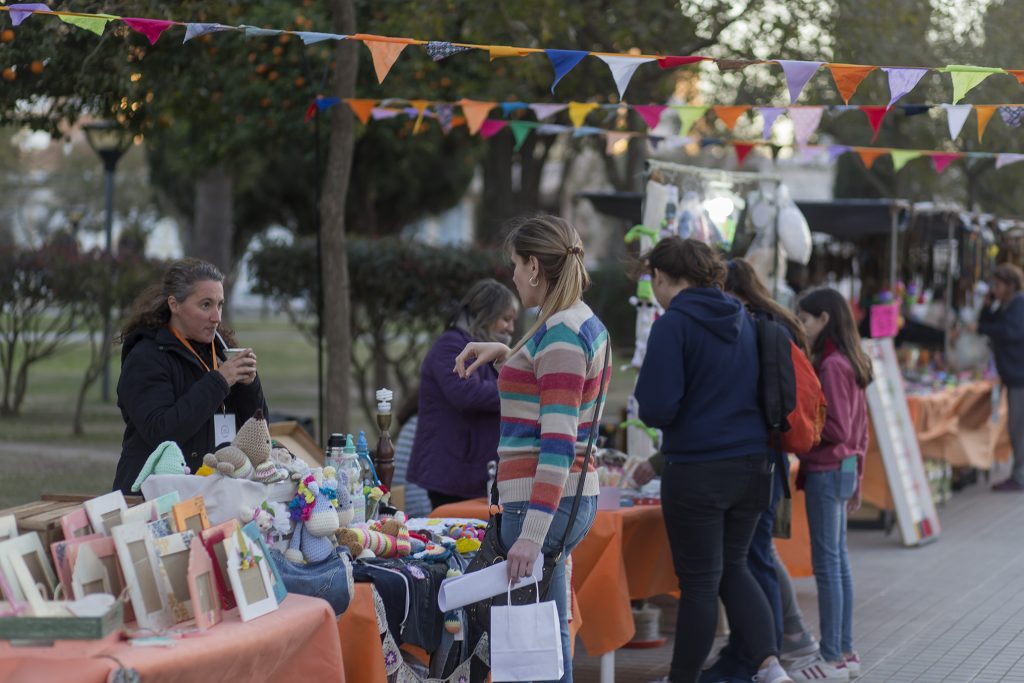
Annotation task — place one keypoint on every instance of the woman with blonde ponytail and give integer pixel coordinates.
(549, 383)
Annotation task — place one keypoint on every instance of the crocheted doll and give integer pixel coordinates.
(253, 439)
(166, 459)
(339, 482)
(316, 521)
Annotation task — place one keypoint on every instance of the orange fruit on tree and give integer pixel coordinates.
(36, 67)
(7, 35)
(9, 74)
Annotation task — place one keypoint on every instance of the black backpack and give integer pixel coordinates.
(776, 384)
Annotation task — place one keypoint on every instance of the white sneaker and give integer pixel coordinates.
(853, 664)
(818, 669)
(773, 673)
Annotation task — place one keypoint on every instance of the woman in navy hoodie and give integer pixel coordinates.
(698, 384)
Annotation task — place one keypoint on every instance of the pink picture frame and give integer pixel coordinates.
(202, 586)
(76, 524)
(213, 540)
(61, 561)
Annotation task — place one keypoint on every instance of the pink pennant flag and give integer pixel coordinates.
(902, 81)
(769, 114)
(941, 161)
(742, 150)
(492, 127)
(651, 113)
(151, 28)
(797, 75)
(612, 140)
(805, 122)
(875, 114)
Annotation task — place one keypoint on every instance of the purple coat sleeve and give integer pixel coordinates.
(476, 393)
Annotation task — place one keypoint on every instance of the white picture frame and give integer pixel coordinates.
(8, 527)
(252, 586)
(90, 575)
(143, 512)
(165, 506)
(106, 511)
(29, 548)
(38, 604)
(174, 551)
(140, 564)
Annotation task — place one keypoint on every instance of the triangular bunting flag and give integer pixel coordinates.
(578, 112)
(311, 37)
(730, 114)
(1018, 74)
(742, 150)
(688, 115)
(956, 116)
(520, 131)
(1006, 159)
(847, 77)
(362, 109)
(552, 129)
(900, 157)
(563, 61)
(769, 114)
(985, 112)
(797, 75)
(23, 10)
(613, 142)
(941, 161)
(151, 28)
(902, 81)
(438, 49)
(1011, 116)
(379, 114)
(94, 23)
(546, 111)
(196, 30)
(509, 107)
(622, 69)
(475, 113)
(672, 61)
(967, 77)
(385, 54)
(257, 32)
(325, 103)
(584, 131)
(915, 109)
(875, 114)
(445, 116)
(836, 151)
(502, 51)
(491, 127)
(421, 108)
(805, 122)
(650, 113)
(870, 156)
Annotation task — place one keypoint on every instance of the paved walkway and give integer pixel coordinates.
(949, 611)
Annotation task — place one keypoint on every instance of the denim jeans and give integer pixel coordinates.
(514, 514)
(827, 495)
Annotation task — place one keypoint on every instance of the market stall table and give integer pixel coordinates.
(298, 641)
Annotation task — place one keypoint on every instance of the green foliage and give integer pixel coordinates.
(608, 296)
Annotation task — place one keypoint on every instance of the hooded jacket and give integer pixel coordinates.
(698, 383)
(1005, 328)
(165, 394)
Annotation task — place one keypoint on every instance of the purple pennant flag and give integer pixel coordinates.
(769, 114)
(377, 113)
(805, 122)
(445, 114)
(797, 75)
(1007, 158)
(546, 111)
(196, 30)
(563, 61)
(836, 151)
(22, 11)
(1012, 116)
(902, 81)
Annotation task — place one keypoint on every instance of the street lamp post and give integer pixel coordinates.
(110, 141)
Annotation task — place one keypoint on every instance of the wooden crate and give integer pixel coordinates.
(36, 629)
(43, 516)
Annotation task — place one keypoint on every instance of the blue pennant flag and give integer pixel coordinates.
(563, 61)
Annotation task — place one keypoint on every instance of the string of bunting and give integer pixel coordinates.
(385, 50)
(805, 118)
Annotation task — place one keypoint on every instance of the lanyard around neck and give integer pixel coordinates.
(213, 351)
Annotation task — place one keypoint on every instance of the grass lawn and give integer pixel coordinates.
(60, 462)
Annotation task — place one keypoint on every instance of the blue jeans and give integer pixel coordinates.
(827, 495)
(514, 514)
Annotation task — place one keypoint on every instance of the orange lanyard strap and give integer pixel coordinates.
(213, 351)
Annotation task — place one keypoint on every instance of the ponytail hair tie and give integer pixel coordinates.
(574, 250)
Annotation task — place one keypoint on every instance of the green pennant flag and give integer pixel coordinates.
(95, 22)
(967, 77)
(520, 131)
(900, 157)
(688, 115)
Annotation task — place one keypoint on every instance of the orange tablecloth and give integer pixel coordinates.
(298, 641)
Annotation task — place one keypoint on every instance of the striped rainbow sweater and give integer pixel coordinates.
(549, 391)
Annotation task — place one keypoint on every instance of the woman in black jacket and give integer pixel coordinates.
(176, 383)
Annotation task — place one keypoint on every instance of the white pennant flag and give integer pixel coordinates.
(956, 115)
(546, 111)
(1006, 159)
(622, 69)
(805, 122)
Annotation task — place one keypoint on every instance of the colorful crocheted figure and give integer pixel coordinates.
(316, 522)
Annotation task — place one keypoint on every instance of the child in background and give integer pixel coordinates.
(831, 474)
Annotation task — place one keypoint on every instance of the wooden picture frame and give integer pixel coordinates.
(76, 524)
(252, 533)
(60, 552)
(174, 552)
(106, 511)
(8, 527)
(190, 515)
(141, 566)
(250, 580)
(213, 540)
(29, 548)
(202, 587)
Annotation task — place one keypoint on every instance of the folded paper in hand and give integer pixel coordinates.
(459, 591)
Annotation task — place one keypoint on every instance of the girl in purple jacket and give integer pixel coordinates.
(831, 474)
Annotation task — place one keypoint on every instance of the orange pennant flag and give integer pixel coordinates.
(501, 51)
(1018, 74)
(985, 112)
(421, 107)
(848, 77)
(385, 54)
(869, 155)
(475, 113)
(362, 109)
(729, 115)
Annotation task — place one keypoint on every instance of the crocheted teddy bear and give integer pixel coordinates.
(248, 456)
(316, 521)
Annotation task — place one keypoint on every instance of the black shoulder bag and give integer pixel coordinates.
(492, 550)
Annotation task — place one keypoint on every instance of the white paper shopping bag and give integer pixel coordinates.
(526, 642)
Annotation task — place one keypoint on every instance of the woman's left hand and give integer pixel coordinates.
(853, 504)
(521, 557)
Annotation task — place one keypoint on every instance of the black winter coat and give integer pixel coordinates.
(165, 394)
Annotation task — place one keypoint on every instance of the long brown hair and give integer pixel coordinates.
(485, 302)
(559, 253)
(743, 283)
(840, 329)
(691, 259)
(151, 310)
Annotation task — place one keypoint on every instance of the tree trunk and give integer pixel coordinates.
(20, 387)
(498, 200)
(11, 347)
(336, 321)
(214, 221)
